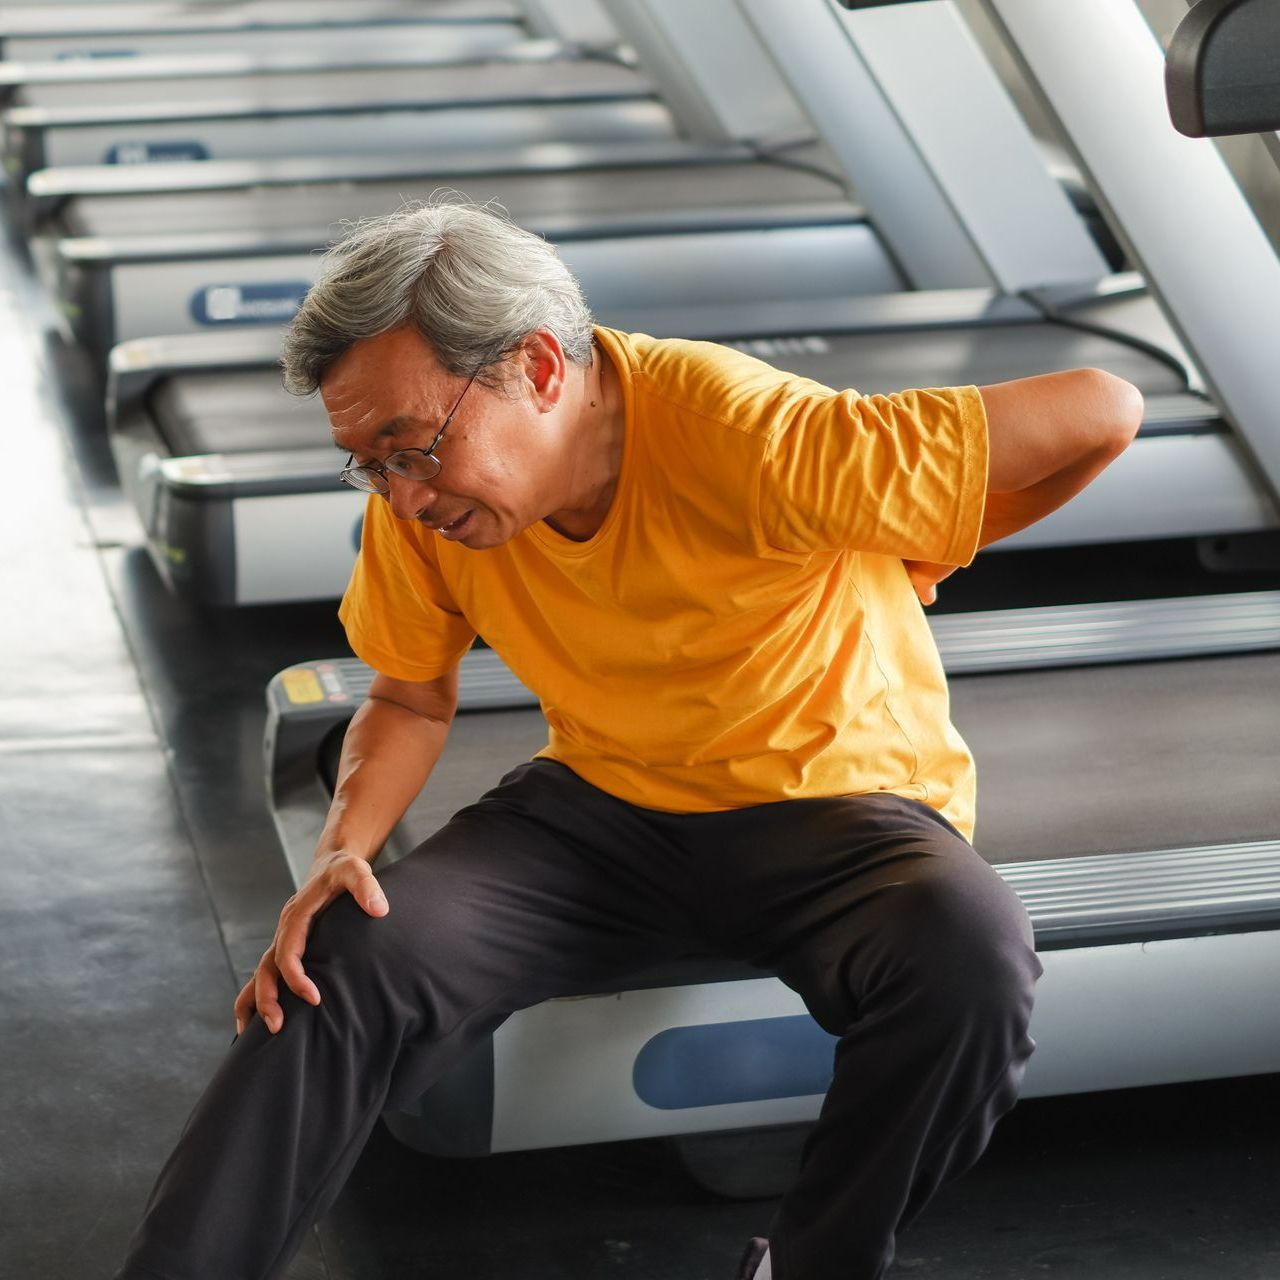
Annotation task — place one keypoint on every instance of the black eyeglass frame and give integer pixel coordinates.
(371, 477)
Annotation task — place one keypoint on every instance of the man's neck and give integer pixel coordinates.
(599, 441)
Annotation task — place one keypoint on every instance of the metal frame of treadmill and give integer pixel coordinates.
(961, 191)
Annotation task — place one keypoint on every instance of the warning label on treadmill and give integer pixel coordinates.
(275, 303)
(301, 686)
(772, 348)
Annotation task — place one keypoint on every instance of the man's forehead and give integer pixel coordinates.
(348, 435)
(397, 352)
(383, 387)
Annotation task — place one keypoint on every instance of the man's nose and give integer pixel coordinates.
(409, 497)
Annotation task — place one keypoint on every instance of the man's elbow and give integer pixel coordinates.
(1118, 410)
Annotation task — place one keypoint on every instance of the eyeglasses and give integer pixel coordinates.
(413, 464)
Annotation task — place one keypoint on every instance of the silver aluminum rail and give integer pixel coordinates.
(995, 640)
(1209, 887)
(222, 175)
(1128, 630)
(216, 65)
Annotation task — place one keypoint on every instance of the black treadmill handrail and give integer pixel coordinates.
(1212, 82)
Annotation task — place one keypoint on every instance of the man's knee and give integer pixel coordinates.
(964, 939)
(436, 951)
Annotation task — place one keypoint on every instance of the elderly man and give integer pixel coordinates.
(711, 573)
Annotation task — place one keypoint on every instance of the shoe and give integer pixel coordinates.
(756, 1253)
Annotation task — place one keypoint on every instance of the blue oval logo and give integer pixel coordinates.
(155, 152)
(273, 303)
(748, 1061)
(74, 55)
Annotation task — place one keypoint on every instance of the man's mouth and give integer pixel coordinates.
(455, 528)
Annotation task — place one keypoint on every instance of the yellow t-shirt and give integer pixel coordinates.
(740, 629)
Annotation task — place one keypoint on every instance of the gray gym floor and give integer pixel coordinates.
(140, 879)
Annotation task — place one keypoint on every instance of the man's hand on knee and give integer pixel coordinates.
(332, 875)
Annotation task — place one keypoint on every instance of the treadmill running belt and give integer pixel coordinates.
(237, 412)
(1108, 759)
(875, 363)
(1071, 762)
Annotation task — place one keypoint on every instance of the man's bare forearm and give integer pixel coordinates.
(1007, 513)
(387, 755)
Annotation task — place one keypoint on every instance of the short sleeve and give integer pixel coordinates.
(900, 475)
(397, 610)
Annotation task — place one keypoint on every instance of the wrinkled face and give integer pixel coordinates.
(498, 459)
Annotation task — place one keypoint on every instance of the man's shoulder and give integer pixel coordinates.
(711, 380)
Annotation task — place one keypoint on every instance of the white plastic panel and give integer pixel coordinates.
(1156, 1013)
(1106, 1017)
(1162, 487)
(297, 546)
(162, 297)
(562, 1070)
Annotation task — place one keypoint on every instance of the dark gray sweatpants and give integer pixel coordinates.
(900, 939)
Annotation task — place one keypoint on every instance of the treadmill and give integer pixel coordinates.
(40, 32)
(529, 91)
(1156, 909)
(236, 484)
(671, 222)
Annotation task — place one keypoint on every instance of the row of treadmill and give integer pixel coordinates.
(875, 196)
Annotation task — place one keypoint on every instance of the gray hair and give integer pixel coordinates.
(470, 281)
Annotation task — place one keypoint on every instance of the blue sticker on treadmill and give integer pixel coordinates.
(271, 303)
(72, 55)
(748, 1061)
(155, 152)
